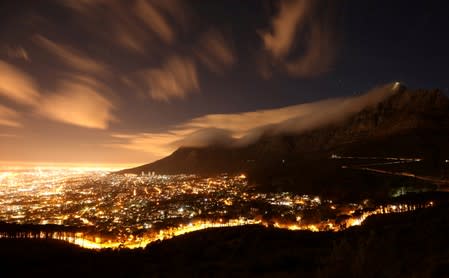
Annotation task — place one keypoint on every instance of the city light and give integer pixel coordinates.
(117, 211)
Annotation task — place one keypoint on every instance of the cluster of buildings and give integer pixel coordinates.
(124, 208)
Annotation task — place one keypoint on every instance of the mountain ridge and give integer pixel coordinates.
(408, 124)
(402, 113)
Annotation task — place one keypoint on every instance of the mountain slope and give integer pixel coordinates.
(407, 124)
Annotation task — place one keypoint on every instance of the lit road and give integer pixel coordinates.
(443, 184)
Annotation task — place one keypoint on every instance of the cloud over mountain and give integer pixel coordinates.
(244, 128)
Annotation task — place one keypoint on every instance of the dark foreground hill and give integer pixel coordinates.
(406, 124)
(401, 245)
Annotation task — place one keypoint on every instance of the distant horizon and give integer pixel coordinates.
(22, 165)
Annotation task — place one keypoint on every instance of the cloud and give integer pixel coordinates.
(307, 27)
(132, 24)
(215, 52)
(77, 102)
(162, 144)
(129, 40)
(71, 57)
(17, 52)
(245, 128)
(9, 117)
(280, 39)
(318, 57)
(82, 6)
(144, 27)
(154, 143)
(174, 80)
(175, 9)
(163, 16)
(110, 21)
(16, 85)
(296, 118)
(154, 20)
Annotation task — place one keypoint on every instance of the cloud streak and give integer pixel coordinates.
(17, 85)
(175, 79)
(155, 21)
(71, 57)
(284, 25)
(9, 117)
(307, 27)
(17, 52)
(245, 128)
(132, 24)
(215, 52)
(77, 102)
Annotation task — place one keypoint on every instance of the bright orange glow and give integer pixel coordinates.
(46, 187)
(131, 242)
(79, 167)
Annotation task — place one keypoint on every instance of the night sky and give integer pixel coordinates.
(111, 81)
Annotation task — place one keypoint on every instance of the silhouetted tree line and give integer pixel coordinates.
(33, 231)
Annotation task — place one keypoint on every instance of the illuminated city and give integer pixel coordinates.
(181, 138)
(133, 210)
